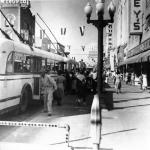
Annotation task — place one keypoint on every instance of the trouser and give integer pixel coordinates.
(48, 99)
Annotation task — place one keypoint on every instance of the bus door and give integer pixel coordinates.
(37, 65)
(36, 86)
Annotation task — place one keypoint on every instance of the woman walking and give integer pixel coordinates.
(118, 83)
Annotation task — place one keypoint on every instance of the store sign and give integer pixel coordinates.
(139, 49)
(146, 16)
(10, 3)
(136, 17)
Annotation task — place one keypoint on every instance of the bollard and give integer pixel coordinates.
(95, 123)
(67, 134)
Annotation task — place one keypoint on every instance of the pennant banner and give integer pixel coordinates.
(82, 30)
(42, 34)
(69, 46)
(83, 48)
(63, 31)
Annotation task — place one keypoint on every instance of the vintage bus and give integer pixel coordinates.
(20, 67)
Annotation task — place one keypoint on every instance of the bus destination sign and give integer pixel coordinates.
(11, 3)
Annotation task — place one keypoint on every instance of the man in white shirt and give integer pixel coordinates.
(48, 85)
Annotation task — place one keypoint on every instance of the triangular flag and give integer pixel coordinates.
(69, 46)
(82, 29)
(83, 48)
(42, 34)
(63, 31)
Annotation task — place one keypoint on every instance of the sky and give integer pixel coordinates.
(67, 14)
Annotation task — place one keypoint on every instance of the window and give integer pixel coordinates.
(9, 66)
(22, 63)
(50, 65)
(37, 64)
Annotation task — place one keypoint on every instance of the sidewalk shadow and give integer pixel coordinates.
(133, 99)
(120, 131)
(74, 148)
(131, 106)
(124, 92)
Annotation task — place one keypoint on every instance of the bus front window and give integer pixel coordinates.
(9, 67)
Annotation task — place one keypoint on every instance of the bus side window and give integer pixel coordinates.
(27, 65)
(18, 67)
(9, 67)
(22, 63)
(36, 64)
(50, 65)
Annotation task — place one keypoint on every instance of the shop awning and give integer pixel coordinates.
(145, 56)
(142, 57)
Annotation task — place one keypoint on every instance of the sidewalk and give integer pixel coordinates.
(126, 127)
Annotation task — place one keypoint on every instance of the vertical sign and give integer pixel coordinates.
(136, 17)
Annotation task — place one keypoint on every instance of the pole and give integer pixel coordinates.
(100, 67)
(46, 35)
(19, 36)
(50, 31)
(100, 55)
(96, 109)
(47, 27)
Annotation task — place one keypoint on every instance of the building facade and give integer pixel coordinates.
(132, 27)
(19, 15)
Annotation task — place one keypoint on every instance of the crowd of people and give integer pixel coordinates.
(81, 82)
(129, 78)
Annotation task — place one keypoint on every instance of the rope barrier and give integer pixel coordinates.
(43, 125)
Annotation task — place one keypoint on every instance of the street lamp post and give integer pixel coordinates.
(100, 23)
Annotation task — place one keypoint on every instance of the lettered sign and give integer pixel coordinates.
(136, 17)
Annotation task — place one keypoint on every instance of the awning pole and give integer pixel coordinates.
(141, 67)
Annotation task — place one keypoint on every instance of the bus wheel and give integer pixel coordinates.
(25, 96)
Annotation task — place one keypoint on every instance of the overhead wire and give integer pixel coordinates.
(46, 35)
(50, 32)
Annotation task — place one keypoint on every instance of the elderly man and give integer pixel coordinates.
(48, 85)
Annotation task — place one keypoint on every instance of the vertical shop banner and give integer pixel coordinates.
(136, 17)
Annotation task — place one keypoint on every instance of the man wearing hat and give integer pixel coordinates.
(48, 86)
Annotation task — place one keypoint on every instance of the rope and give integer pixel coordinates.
(43, 125)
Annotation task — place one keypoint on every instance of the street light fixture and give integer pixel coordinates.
(100, 23)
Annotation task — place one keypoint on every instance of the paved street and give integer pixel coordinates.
(126, 127)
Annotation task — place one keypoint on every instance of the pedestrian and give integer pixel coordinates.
(144, 81)
(126, 77)
(141, 81)
(81, 89)
(89, 84)
(48, 85)
(118, 83)
(133, 79)
(68, 82)
(73, 84)
(60, 87)
(129, 78)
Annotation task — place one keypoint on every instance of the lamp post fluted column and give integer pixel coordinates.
(100, 55)
(100, 23)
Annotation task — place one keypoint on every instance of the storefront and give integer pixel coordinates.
(138, 60)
